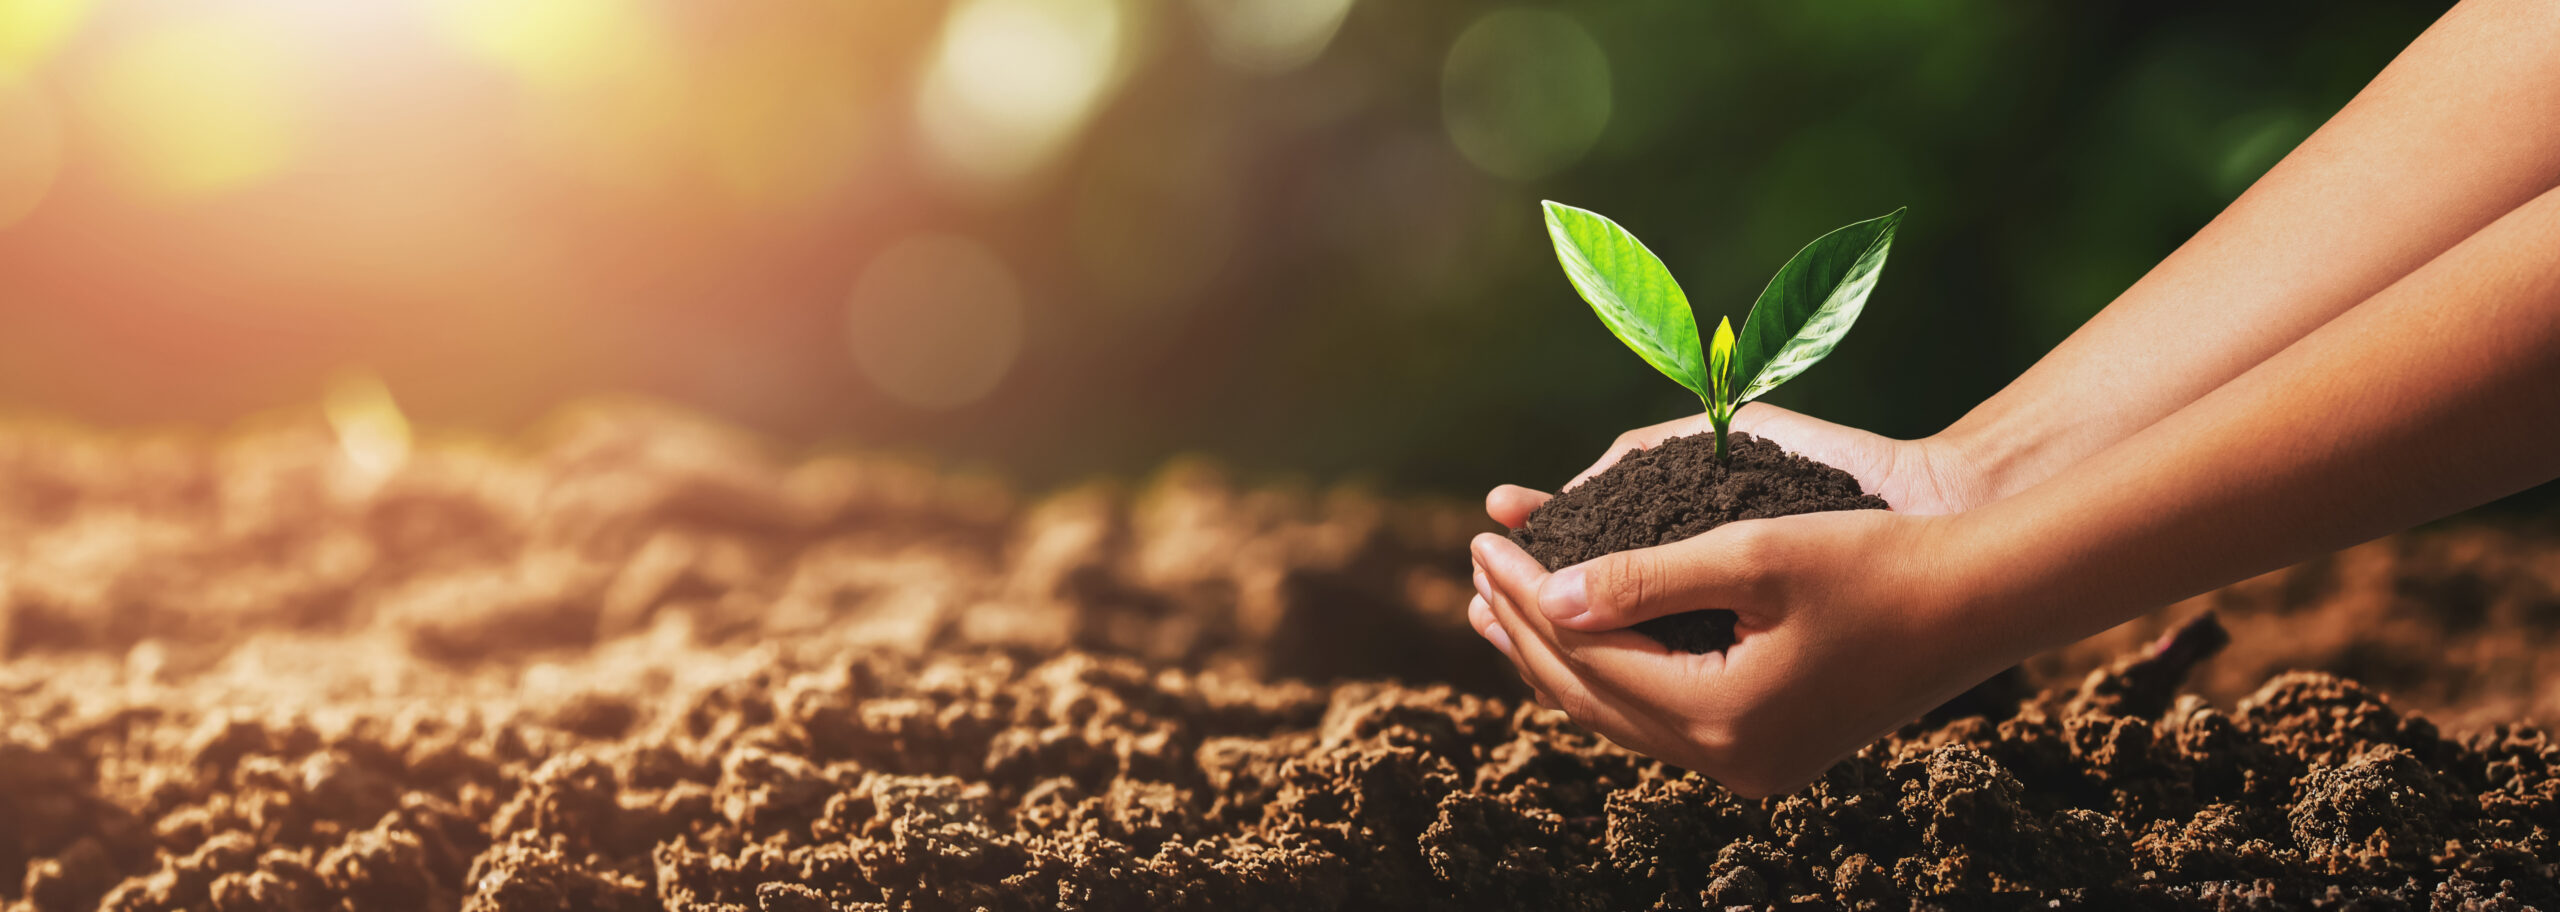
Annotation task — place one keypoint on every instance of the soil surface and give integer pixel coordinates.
(640, 663)
(1675, 490)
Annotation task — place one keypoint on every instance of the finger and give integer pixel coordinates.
(1491, 626)
(1480, 615)
(1501, 567)
(1617, 664)
(1601, 711)
(1535, 653)
(1729, 567)
(1506, 573)
(1642, 438)
(1510, 505)
(1623, 685)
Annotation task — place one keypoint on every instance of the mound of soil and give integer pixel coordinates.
(872, 780)
(642, 665)
(1675, 490)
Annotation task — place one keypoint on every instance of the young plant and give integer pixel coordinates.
(1798, 319)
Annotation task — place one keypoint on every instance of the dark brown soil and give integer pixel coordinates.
(1675, 490)
(643, 666)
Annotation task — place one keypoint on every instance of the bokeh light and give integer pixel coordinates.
(372, 432)
(196, 105)
(30, 149)
(1012, 81)
(1525, 92)
(936, 321)
(1270, 36)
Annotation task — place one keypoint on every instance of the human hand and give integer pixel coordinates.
(1850, 624)
(1925, 476)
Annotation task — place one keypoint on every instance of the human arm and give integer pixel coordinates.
(2440, 392)
(2438, 145)
(2442, 142)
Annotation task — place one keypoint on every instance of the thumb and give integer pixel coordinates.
(1511, 505)
(1726, 567)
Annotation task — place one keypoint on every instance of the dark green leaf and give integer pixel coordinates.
(1631, 291)
(1809, 306)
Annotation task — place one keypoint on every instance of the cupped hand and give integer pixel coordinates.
(1850, 624)
(1925, 476)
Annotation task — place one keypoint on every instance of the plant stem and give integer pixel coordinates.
(1721, 420)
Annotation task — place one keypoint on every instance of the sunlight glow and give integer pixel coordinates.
(603, 95)
(372, 432)
(196, 107)
(31, 30)
(558, 43)
(1014, 79)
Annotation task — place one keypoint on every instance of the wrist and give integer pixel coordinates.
(1998, 452)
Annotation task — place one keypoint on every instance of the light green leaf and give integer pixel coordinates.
(1720, 363)
(1631, 291)
(1809, 306)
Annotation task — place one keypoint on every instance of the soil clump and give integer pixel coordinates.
(1676, 490)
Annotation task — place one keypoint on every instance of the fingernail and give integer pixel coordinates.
(1501, 638)
(1484, 587)
(1565, 596)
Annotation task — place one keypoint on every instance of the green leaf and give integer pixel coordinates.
(1809, 306)
(1631, 291)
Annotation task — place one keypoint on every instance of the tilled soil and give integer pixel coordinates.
(1676, 490)
(642, 664)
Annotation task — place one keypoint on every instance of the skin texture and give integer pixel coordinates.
(2367, 339)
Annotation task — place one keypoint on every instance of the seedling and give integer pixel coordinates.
(1798, 319)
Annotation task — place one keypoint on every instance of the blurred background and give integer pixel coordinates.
(1061, 238)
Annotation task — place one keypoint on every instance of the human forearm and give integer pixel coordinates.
(2444, 141)
(2439, 393)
